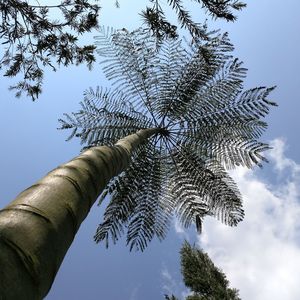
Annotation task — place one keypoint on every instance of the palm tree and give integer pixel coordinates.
(158, 144)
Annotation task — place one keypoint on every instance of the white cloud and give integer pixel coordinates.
(169, 283)
(280, 160)
(180, 230)
(171, 286)
(261, 256)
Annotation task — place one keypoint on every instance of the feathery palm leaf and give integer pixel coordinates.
(193, 93)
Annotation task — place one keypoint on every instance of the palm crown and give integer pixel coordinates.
(193, 95)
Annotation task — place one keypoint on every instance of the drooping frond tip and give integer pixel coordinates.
(155, 17)
(194, 94)
(222, 8)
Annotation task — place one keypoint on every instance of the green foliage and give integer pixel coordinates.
(33, 39)
(156, 20)
(170, 297)
(193, 93)
(222, 8)
(35, 36)
(206, 281)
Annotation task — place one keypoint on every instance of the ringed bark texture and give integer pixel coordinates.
(38, 227)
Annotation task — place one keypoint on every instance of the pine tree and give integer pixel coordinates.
(205, 280)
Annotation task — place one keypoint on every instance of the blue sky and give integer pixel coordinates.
(261, 256)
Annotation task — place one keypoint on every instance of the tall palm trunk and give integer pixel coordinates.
(38, 227)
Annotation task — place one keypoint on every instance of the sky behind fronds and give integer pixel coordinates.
(262, 256)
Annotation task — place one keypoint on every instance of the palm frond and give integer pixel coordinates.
(221, 90)
(202, 187)
(194, 94)
(139, 200)
(204, 61)
(104, 118)
(130, 60)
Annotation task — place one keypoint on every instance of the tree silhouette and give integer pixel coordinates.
(156, 20)
(35, 36)
(158, 144)
(201, 275)
(193, 95)
(206, 281)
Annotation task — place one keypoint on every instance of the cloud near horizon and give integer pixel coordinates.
(261, 256)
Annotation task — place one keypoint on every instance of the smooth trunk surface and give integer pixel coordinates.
(38, 227)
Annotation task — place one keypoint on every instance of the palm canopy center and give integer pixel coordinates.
(191, 97)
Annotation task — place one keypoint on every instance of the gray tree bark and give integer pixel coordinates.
(38, 227)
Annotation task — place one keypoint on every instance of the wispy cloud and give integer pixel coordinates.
(168, 282)
(282, 163)
(261, 256)
(134, 293)
(172, 286)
